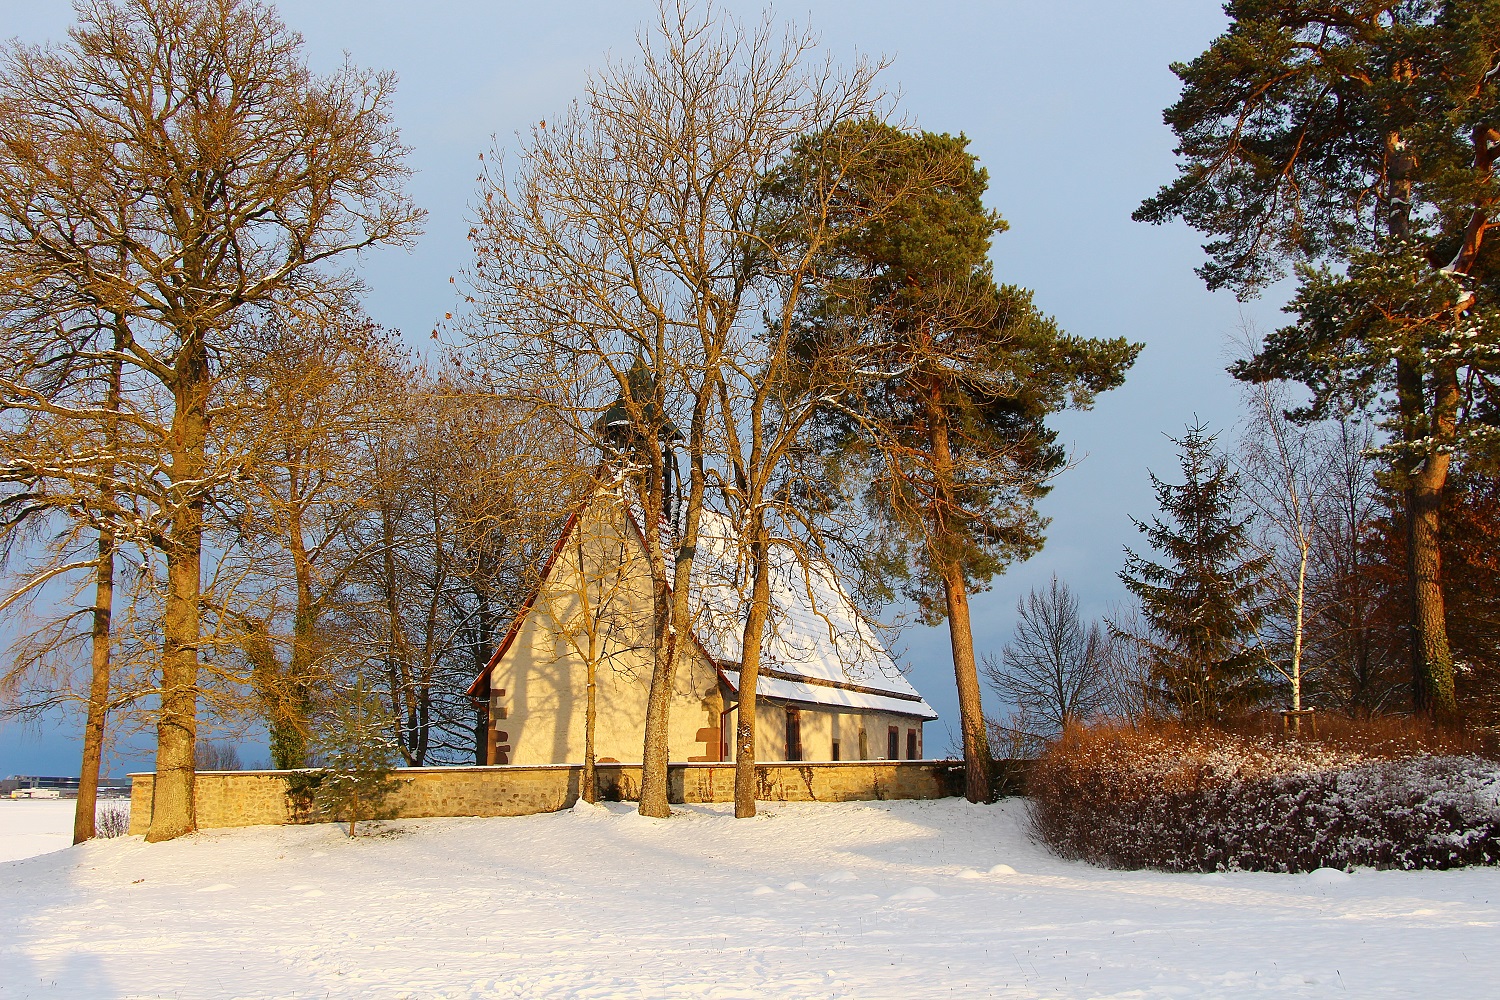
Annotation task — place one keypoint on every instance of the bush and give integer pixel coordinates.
(1178, 799)
(112, 820)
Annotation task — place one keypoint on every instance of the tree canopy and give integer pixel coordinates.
(1355, 142)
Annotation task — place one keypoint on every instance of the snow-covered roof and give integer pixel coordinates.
(836, 697)
(817, 647)
(814, 634)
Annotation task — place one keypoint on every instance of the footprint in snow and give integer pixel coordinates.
(1002, 870)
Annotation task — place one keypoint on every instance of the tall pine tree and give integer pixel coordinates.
(955, 377)
(1357, 140)
(1204, 601)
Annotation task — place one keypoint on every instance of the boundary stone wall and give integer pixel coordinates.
(260, 798)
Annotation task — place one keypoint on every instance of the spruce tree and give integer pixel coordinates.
(1204, 601)
(358, 756)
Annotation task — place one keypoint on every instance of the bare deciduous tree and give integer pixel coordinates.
(597, 615)
(320, 377)
(618, 265)
(1282, 475)
(172, 163)
(1056, 670)
(1356, 650)
(463, 490)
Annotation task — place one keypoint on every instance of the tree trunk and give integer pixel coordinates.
(960, 634)
(655, 750)
(172, 811)
(590, 790)
(93, 729)
(396, 661)
(971, 712)
(1431, 661)
(1304, 549)
(593, 621)
(104, 601)
(297, 703)
(674, 609)
(754, 635)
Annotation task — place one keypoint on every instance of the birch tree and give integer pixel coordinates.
(170, 164)
(1283, 472)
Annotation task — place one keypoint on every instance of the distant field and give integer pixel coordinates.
(34, 826)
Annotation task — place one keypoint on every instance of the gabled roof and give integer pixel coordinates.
(526, 605)
(818, 649)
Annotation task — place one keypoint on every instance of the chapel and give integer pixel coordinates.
(828, 688)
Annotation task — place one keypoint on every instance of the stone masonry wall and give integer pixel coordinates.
(258, 798)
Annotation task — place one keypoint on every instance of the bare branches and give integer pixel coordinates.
(625, 262)
(171, 165)
(1056, 670)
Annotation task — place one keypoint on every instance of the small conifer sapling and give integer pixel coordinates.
(359, 757)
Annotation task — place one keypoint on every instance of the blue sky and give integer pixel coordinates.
(1062, 101)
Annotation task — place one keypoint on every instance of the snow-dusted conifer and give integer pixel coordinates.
(358, 756)
(1205, 600)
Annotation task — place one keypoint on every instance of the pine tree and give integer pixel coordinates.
(1204, 602)
(358, 756)
(956, 378)
(1357, 140)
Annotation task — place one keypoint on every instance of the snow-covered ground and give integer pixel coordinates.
(34, 826)
(877, 900)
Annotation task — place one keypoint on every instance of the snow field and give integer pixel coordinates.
(36, 826)
(854, 900)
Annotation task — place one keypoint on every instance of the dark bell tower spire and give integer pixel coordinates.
(621, 436)
(622, 439)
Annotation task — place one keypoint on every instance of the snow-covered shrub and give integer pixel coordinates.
(1204, 800)
(112, 820)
